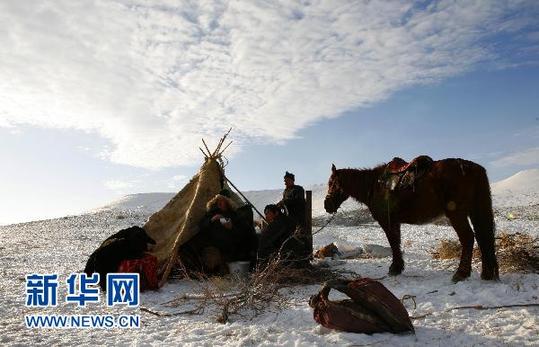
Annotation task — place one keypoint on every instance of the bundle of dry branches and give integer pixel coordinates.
(251, 295)
(241, 295)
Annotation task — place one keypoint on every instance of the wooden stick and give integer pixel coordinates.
(228, 132)
(197, 310)
(144, 309)
(205, 155)
(218, 148)
(224, 149)
(481, 307)
(243, 196)
(205, 145)
(476, 307)
(192, 298)
(421, 316)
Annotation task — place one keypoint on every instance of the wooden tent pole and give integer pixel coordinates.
(205, 155)
(224, 149)
(244, 197)
(218, 149)
(205, 145)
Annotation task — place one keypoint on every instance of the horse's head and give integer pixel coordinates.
(336, 195)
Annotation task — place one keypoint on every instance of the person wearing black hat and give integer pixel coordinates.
(293, 199)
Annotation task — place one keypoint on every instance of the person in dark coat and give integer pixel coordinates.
(293, 199)
(278, 237)
(224, 236)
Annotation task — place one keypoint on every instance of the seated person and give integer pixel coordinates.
(277, 237)
(223, 237)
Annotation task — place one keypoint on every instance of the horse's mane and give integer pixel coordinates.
(376, 167)
(359, 181)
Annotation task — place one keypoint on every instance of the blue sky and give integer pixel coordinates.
(483, 116)
(98, 100)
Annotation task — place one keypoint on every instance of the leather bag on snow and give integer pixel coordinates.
(372, 308)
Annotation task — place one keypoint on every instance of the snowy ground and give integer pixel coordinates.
(62, 246)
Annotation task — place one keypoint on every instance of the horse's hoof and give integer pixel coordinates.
(395, 270)
(458, 276)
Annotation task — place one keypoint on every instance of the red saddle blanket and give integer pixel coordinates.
(372, 308)
(146, 267)
(398, 165)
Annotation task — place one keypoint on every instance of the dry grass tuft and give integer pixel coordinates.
(517, 252)
(447, 249)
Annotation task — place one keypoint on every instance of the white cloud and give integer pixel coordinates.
(529, 156)
(118, 185)
(4, 122)
(84, 148)
(155, 77)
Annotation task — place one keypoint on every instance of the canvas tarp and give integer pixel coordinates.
(177, 222)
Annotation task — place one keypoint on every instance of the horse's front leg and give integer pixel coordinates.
(464, 231)
(393, 234)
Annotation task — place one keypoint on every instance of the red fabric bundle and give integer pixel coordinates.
(372, 308)
(146, 267)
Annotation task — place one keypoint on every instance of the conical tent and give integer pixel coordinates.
(177, 222)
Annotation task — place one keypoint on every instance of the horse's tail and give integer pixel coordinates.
(482, 218)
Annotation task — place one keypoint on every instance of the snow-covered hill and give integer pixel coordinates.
(147, 202)
(151, 202)
(521, 189)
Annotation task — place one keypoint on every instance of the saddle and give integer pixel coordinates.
(399, 174)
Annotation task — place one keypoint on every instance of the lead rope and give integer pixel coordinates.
(312, 234)
(326, 224)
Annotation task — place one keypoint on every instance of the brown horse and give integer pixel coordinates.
(456, 188)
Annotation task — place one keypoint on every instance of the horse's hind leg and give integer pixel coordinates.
(484, 234)
(466, 238)
(393, 234)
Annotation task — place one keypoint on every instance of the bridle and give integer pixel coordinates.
(335, 194)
